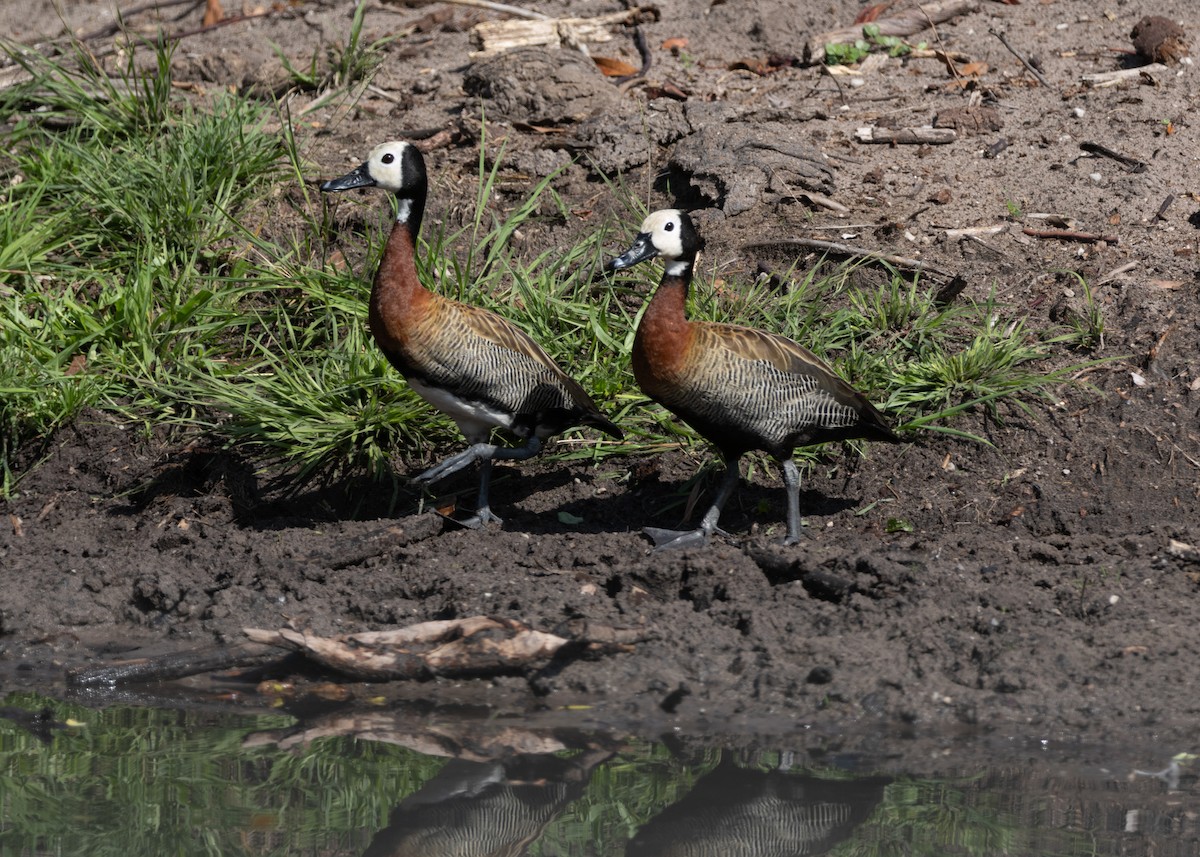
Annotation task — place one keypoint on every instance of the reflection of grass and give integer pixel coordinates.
(622, 795)
(135, 781)
(140, 275)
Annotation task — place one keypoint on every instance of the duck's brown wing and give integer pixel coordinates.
(749, 388)
(478, 354)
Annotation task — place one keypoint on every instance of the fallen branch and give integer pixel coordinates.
(475, 646)
(852, 252)
(906, 23)
(1071, 235)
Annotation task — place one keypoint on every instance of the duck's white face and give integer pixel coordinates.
(386, 166)
(665, 228)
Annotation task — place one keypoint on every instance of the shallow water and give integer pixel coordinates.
(133, 780)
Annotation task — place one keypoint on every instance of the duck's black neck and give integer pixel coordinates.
(410, 210)
(679, 271)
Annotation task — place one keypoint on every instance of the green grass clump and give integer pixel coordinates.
(139, 274)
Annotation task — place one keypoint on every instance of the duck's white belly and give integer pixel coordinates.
(474, 419)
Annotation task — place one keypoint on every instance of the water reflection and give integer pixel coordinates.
(733, 811)
(476, 808)
(132, 780)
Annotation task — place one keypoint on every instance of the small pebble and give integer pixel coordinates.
(1079, 112)
(1095, 177)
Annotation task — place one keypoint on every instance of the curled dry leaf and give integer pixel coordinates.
(612, 67)
(666, 90)
(872, 13)
(676, 44)
(213, 13)
(972, 69)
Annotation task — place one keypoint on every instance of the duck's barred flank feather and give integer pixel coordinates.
(481, 357)
(762, 386)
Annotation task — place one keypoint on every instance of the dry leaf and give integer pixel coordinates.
(78, 364)
(973, 69)
(667, 90)
(676, 44)
(213, 13)
(1167, 284)
(872, 13)
(337, 261)
(611, 67)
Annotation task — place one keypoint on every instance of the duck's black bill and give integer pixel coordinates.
(359, 177)
(642, 249)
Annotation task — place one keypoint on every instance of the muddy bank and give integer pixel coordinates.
(1040, 584)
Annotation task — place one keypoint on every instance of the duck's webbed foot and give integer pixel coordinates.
(670, 539)
(482, 517)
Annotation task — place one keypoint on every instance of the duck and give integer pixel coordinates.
(741, 388)
(473, 365)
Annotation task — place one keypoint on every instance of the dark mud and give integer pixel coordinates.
(1048, 581)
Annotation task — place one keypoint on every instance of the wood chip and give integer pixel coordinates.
(496, 37)
(906, 136)
(1184, 551)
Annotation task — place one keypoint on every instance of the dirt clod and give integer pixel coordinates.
(1159, 39)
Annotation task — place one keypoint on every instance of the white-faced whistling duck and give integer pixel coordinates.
(478, 368)
(743, 389)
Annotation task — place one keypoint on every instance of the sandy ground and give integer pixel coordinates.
(1041, 585)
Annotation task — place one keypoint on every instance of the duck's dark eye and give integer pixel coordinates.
(388, 158)
(669, 227)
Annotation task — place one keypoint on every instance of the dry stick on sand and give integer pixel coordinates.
(503, 8)
(849, 250)
(1071, 235)
(904, 23)
(1028, 65)
(1132, 165)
